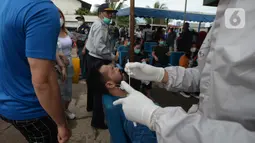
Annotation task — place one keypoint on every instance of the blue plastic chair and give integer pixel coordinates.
(148, 46)
(122, 55)
(174, 58)
(122, 48)
(114, 120)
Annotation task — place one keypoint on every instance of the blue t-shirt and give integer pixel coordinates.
(28, 29)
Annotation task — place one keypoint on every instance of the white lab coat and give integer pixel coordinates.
(226, 78)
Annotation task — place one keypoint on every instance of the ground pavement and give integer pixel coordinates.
(81, 129)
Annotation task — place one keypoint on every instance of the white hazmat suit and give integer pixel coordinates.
(225, 77)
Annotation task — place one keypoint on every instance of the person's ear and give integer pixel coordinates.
(109, 85)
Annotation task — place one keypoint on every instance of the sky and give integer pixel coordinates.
(192, 5)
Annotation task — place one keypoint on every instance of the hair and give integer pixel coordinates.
(64, 24)
(159, 30)
(186, 23)
(188, 53)
(113, 23)
(97, 80)
(148, 26)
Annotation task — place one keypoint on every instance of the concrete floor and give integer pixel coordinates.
(81, 129)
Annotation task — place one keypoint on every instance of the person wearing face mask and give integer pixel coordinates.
(160, 54)
(65, 48)
(83, 31)
(193, 56)
(141, 57)
(99, 47)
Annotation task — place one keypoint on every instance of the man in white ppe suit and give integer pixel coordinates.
(225, 78)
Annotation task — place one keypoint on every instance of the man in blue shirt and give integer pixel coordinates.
(29, 93)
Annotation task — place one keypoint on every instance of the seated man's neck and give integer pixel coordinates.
(117, 92)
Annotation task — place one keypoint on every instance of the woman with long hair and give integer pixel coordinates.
(65, 48)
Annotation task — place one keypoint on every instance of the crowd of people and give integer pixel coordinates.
(36, 73)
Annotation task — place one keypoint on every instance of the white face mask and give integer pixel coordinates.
(61, 22)
(193, 49)
(80, 23)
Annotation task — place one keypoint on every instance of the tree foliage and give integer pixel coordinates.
(157, 5)
(82, 11)
(123, 21)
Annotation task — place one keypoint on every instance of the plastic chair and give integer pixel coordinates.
(114, 120)
(148, 46)
(174, 58)
(122, 55)
(122, 48)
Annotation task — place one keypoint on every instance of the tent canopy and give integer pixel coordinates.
(159, 13)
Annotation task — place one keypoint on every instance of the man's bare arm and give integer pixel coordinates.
(44, 78)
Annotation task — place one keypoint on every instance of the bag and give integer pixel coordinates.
(77, 70)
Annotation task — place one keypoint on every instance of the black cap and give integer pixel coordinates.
(105, 7)
(186, 23)
(80, 17)
(148, 26)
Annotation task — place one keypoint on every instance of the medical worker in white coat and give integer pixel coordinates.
(225, 78)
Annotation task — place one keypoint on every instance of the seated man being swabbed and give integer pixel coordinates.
(107, 79)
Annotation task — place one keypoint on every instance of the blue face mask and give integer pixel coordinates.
(107, 20)
(128, 44)
(137, 51)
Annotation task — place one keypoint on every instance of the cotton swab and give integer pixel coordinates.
(128, 74)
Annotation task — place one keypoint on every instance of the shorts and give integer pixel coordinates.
(39, 130)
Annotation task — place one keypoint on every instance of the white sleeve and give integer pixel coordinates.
(173, 124)
(181, 79)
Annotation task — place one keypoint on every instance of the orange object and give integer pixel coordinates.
(77, 69)
(184, 61)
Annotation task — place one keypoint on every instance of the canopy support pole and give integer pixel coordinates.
(185, 12)
(132, 26)
(199, 26)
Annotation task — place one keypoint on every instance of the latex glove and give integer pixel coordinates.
(144, 72)
(136, 106)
